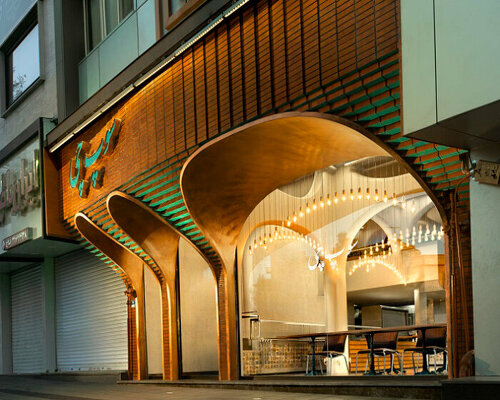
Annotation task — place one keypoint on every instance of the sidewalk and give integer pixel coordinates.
(32, 388)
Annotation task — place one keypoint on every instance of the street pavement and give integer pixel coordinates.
(32, 388)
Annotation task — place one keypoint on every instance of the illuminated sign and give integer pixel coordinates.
(78, 168)
(17, 238)
(18, 193)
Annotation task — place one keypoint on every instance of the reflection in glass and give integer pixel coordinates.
(24, 65)
(111, 7)
(95, 31)
(176, 5)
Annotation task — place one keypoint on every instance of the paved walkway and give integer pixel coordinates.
(30, 388)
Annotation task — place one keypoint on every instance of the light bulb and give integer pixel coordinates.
(260, 241)
(328, 200)
(301, 213)
(371, 251)
(400, 245)
(367, 193)
(288, 222)
(400, 235)
(336, 198)
(360, 194)
(427, 231)
(376, 247)
(394, 199)
(255, 244)
(294, 217)
(352, 194)
(407, 233)
(376, 194)
(314, 205)
(343, 195)
(385, 196)
(321, 202)
(434, 231)
(308, 210)
(413, 208)
(403, 204)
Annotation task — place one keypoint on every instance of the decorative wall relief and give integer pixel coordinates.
(83, 162)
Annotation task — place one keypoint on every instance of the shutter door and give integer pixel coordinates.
(91, 315)
(27, 314)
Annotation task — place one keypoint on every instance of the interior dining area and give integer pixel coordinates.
(341, 272)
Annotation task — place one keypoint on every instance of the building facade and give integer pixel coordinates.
(190, 135)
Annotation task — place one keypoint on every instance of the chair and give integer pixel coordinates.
(334, 346)
(384, 343)
(435, 343)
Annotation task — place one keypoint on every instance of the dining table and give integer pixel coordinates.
(368, 333)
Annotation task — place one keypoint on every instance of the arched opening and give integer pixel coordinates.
(327, 175)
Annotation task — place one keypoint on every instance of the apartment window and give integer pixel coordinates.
(177, 10)
(103, 16)
(23, 64)
(176, 5)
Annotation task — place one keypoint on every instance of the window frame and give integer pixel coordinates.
(102, 22)
(170, 20)
(18, 34)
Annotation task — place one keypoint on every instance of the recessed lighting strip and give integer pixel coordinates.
(156, 69)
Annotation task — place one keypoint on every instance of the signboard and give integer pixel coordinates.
(83, 161)
(20, 189)
(17, 238)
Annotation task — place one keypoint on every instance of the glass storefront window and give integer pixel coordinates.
(23, 65)
(357, 245)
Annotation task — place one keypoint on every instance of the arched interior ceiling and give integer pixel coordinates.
(224, 180)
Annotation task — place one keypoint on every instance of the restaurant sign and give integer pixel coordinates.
(17, 238)
(20, 189)
(83, 162)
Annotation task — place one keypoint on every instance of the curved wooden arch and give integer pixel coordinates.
(157, 238)
(133, 267)
(256, 158)
(224, 180)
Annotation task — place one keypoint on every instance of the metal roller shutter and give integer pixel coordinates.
(91, 315)
(27, 328)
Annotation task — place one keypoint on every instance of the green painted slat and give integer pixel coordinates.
(389, 121)
(441, 157)
(429, 151)
(444, 173)
(379, 114)
(170, 205)
(174, 211)
(162, 176)
(451, 187)
(440, 166)
(182, 223)
(398, 140)
(161, 201)
(179, 217)
(413, 146)
(156, 187)
(155, 196)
